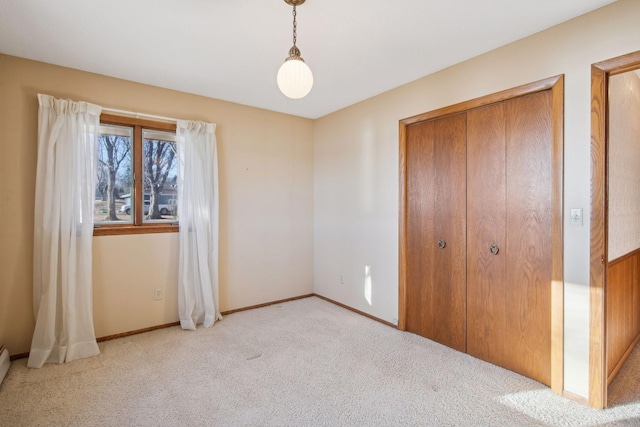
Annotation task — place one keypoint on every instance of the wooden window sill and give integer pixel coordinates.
(116, 230)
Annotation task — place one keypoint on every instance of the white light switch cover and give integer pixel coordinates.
(576, 217)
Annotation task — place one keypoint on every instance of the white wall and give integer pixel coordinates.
(356, 166)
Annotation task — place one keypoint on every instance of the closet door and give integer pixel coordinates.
(486, 234)
(529, 234)
(436, 230)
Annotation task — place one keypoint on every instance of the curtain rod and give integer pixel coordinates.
(139, 115)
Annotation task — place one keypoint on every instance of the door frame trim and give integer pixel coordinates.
(556, 85)
(600, 73)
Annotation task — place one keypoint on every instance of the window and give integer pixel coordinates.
(137, 174)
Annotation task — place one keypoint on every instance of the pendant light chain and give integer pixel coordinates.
(295, 26)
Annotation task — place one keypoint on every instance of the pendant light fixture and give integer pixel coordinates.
(295, 79)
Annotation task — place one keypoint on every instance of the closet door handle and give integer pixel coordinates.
(442, 243)
(494, 249)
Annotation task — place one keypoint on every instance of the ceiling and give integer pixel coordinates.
(232, 49)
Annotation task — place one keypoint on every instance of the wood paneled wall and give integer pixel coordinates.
(623, 310)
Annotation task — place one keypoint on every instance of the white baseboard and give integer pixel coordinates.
(4, 364)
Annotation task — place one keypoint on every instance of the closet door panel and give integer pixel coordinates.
(436, 230)
(486, 223)
(420, 223)
(450, 262)
(529, 234)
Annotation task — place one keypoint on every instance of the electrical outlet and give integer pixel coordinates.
(157, 294)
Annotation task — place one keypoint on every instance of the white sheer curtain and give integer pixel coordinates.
(198, 217)
(65, 185)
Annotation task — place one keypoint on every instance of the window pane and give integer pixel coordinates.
(160, 167)
(114, 175)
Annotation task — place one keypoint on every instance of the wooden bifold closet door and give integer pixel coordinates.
(487, 210)
(437, 230)
(481, 181)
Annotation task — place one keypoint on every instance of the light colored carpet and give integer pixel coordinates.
(301, 363)
(625, 388)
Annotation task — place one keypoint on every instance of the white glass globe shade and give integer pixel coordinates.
(295, 79)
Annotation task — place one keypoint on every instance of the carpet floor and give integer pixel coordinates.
(301, 363)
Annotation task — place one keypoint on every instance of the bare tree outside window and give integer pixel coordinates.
(102, 178)
(160, 174)
(113, 171)
(136, 188)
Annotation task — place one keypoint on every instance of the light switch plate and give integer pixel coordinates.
(576, 217)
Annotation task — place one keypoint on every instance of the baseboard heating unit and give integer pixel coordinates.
(4, 363)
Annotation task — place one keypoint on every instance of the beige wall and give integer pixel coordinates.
(266, 204)
(356, 166)
(624, 157)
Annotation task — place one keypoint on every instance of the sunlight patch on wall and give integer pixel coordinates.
(367, 283)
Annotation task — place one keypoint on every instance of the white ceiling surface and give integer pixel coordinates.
(232, 49)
